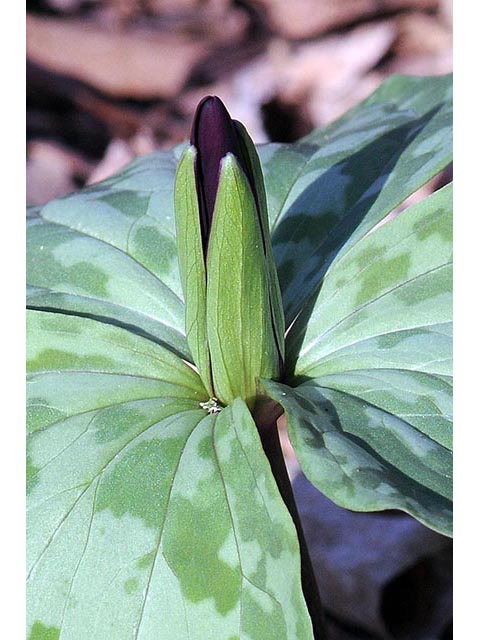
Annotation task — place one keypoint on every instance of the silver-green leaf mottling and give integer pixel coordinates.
(150, 514)
(328, 190)
(370, 416)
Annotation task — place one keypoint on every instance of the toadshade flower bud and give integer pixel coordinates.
(234, 318)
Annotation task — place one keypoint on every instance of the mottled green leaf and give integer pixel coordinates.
(332, 187)
(149, 518)
(370, 417)
(324, 192)
(368, 442)
(58, 343)
(109, 252)
(390, 288)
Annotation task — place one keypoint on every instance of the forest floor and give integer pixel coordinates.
(108, 80)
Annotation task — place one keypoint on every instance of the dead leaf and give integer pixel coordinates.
(420, 34)
(335, 62)
(69, 6)
(51, 169)
(139, 63)
(446, 12)
(288, 451)
(326, 107)
(308, 18)
(317, 77)
(426, 65)
(117, 155)
(176, 7)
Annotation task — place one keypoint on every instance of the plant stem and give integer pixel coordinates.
(266, 421)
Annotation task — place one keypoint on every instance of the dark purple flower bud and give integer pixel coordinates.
(214, 134)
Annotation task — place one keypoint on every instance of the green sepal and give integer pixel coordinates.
(239, 320)
(192, 264)
(274, 286)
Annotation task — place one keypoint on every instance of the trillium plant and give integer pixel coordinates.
(176, 310)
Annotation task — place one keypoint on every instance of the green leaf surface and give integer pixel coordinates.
(329, 189)
(371, 416)
(147, 517)
(109, 252)
(389, 297)
(361, 440)
(58, 343)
